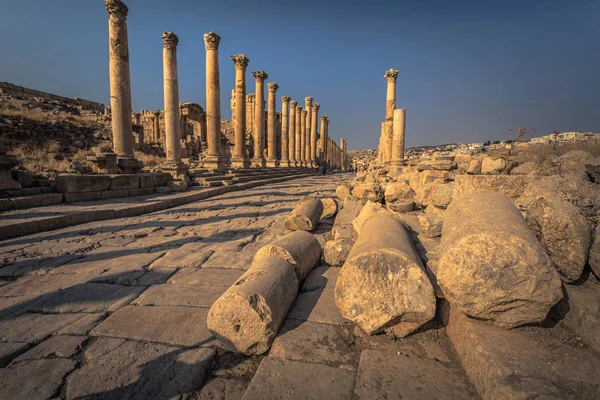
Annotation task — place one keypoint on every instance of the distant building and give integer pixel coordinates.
(565, 137)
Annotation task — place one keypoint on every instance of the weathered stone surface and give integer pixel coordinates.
(369, 210)
(342, 227)
(336, 251)
(564, 232)
(39, 200)
(206, 276)
(582, 194)
(305, 216)
(342, 192)
(180, 295)
(522, 363)
(473, 167)
(383, 285)
(179, 258)
(432, 221)
(82, 183)
(368, 191)
(247, 316)
(330, 207)
(574, 161)
(33, 328)
(8, 351)
(32, 380)
(316, 343)
(527, 168)
(124, 181)
(300, 249)
(286, 380)
(399, 197)
(491, 265)
(179, 326)
(408, 375)
(491, 166)
(161, 178)
(582, 312)
(441, 195)
(508, 185)
(317, 306)
(230, 260)
(140, 370)
(320, 278)
(594, 258)
(592, 168)
(61, 346)
(221, 389)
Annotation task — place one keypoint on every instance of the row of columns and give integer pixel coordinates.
(391, 142)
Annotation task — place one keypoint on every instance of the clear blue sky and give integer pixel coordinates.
(469, 70)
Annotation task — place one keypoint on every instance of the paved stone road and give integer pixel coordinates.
(117, 310)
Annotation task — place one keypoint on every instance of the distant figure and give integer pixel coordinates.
(324, 167)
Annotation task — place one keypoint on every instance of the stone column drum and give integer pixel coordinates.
(285, 144)
(172, 123)
(272, 126)
(308, 108)
(298, 151)
(398, 138)
(259, 119)
(390, 106)
(120, 86)
(323, 155)
(213, 160)
(240, 157)
(292, 134)
(313, 134)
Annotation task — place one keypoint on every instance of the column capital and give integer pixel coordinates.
(260, 75)
(156, 113)
(171, 40)
(304, 112)
(250, 97)
(272, 87)
(240, 61)
(316, 105)
(391, 75)
(211, 41)
(116, 8)
(308, 101)
(293, 104)
(324, 118)
(298, 108)
(285, 99)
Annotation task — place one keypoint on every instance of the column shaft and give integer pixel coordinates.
(298, 136)
(398, 140)
(313, 133)
(272, 126)
(214, 160)
(171, 87)
(292, 134)
(259, 119)
(240, 155)
(390, 76)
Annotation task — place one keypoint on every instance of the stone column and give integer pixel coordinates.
(390, 106)
(303, 137)
(292, 134)
(382, 143)
(398, 139)
(323, 155)
(213, 161)
(308, 108)
(249, 112)
(272, 126)
(278, 137)
(156, 126)
(240, 157)
(298, 153)
(313, 134)
(259, 119)
(120, 86)
(172, 122)
(285, 143)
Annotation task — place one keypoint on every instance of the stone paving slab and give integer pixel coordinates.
(8, 352)
(33, 380)
(180, 295)
(33, 327)
(286, 380)
(206, 276)
(230, 259)
(174, 325)
(61, 346)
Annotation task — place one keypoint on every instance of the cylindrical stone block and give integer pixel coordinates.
(301, 249)
(398, 137)
(491, 266)
(383, 285)
(330, 208)
(246, 318)
(305, 216)
(171, 87)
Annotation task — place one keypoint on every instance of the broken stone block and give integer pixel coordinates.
(330, 208)
(342, 192)
(369, 210)
(336, 251)
(124, 181)
(491, 266)
(342, 227)
(592, 168)
(7, 162)
(305, 216)
(432, 221)
(474, 167)
(491, 166)
(164, 189)
(508, 185)
(564, 232)
(399, 197)
(82, 183)
(368, 191)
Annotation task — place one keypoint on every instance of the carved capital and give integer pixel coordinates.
(285, 99)
(211, 41)
(260, 75)
(116, 8)
(250, 97)
(324, 118)
(171, 40)
(298, 109)
(316, 105)
(156, 113)
(240, 61)
(391, 75)
(304, 112)
(272, 87)
(308, 101)
(293, 104)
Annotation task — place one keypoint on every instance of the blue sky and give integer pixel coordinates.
(469, 70)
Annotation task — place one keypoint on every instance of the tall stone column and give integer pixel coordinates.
(172, 122)
(120, 86)
(278, 137)
(298, 136)
(285, 144)
(303, 141)
(313, 134)
(240, 157)
(250, 112)
(156, 126)
(259, 119)
(272, 126)
(390, 76)
(213, 161)
(292, 134)
(323, 155)
(398, 139)
(308, 108)
(342, 141)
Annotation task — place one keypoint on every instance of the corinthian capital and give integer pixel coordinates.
(260, 75)
(116, 7)
(293, 104)
(298, 109)
(272, 87)
(324, 118)
(316, 105)
(308, 102)
(391, 75)
(211, 41)
(285, 99)
(240, 61)
(304, 112)
(171, 40)
(250, 97)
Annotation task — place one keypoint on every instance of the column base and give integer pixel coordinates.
(175, 168)
(258, 163)
(272, 163)
(129, 165)
(285, 163)
(214, 163)
(240, 162)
